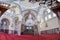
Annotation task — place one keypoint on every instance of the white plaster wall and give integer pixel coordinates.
(52, 23)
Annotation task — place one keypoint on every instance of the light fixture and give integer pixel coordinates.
(6, 5)
(48, 10)
(58, 0)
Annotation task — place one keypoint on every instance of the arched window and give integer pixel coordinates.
(49, 16)
(46, 18)
(5, 22)
(54, 15)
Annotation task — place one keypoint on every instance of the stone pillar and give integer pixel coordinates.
(59, 24)
(19, 28)
(58, 16)
(36, 29)
(38, 26)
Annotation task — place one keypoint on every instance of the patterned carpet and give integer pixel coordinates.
(4, 36)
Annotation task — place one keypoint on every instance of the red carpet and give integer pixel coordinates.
(4, 36)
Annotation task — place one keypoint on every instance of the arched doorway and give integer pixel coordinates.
(5, 25)
(28, 24)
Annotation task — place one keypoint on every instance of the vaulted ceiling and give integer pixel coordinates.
(54, 8)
